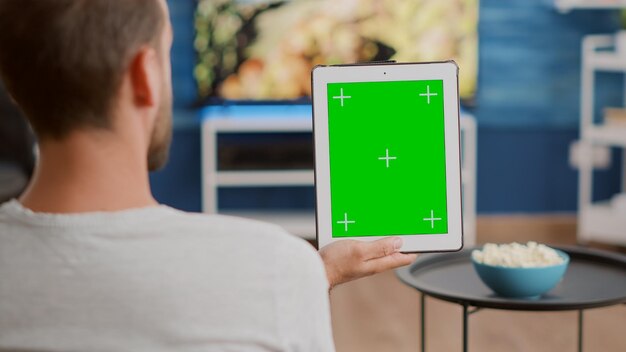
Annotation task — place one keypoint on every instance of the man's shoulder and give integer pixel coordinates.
(253, 239)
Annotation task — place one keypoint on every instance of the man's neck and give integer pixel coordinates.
(87, 173)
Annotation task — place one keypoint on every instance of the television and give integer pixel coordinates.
(264, 50)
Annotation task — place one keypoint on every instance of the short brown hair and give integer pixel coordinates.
(63, 60)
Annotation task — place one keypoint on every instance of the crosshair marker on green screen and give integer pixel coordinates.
(387, 158)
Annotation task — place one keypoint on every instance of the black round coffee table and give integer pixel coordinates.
(593, 279)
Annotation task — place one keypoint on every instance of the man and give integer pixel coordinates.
(89, 261)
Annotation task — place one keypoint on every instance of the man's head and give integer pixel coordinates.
(90, 65)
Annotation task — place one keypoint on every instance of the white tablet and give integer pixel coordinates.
(387, 159)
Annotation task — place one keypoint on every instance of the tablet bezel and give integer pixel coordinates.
(447, 72)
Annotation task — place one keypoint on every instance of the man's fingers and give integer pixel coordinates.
(389, 262)
(348, 260)
(381, 248)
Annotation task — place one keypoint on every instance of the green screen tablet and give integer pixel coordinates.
(387, 154)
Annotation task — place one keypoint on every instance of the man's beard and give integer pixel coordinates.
(161, 138)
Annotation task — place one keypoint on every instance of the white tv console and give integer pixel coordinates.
(300, 223)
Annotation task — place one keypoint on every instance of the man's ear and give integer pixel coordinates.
(144, 78)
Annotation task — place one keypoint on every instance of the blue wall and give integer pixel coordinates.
(530, 63)
(183, 55)
(526, 106)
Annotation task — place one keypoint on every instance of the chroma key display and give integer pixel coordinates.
(387, 158)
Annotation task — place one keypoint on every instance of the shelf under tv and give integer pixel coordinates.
(300, 223)
(295, 119)
(258, 178)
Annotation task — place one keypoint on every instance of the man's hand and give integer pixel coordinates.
(349, 260)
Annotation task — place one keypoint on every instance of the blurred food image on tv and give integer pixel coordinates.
(264, 50)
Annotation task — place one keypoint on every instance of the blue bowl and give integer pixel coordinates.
(522, 282)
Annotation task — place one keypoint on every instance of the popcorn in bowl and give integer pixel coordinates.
(515, 255)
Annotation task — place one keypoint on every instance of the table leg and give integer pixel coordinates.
(465, 322)
(580, 330)
(423, 321)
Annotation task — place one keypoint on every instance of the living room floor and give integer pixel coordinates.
(382, 314)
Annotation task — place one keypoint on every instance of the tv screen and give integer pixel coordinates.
(263, 50)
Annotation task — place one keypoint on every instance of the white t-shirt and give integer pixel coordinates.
(157, 279)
